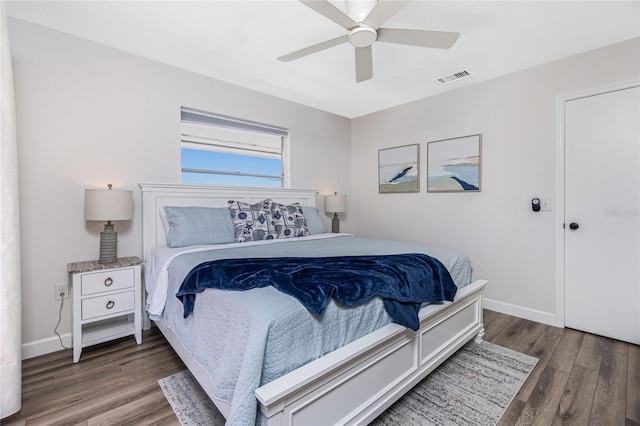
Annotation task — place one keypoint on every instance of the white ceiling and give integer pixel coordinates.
(238, 42)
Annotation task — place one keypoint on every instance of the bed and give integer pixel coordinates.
(306, 376)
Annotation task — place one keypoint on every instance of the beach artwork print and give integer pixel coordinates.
(399, 169)
(453, 165)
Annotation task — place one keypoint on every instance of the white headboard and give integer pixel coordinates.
(156, 195)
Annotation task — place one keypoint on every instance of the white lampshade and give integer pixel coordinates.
(108, 204)
(335, 203)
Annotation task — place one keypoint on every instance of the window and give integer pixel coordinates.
(226, 151)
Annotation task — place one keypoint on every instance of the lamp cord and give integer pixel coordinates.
(55, 330)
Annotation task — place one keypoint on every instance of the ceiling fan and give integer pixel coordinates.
(364, 33)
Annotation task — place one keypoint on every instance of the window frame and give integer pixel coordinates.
(191, 116)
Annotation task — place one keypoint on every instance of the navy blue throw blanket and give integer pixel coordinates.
(403, 281)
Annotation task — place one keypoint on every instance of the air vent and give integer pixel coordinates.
(453, 77)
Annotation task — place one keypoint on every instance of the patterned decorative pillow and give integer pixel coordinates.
(289, 221)
(252, 222)
(267, 220)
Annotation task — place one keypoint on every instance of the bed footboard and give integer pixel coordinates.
(357, 382)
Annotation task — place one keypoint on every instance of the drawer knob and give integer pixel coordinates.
(108, 282)
(110, 304)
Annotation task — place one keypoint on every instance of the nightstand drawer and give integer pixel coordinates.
(99, 282)
(107, 305)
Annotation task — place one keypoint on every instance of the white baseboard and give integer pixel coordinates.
(45, 346)
(520, 311)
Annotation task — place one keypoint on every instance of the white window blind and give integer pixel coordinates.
(232, 141)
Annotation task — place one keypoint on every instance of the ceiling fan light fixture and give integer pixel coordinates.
(362, 36)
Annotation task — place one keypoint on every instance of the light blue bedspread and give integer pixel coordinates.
(246, 339)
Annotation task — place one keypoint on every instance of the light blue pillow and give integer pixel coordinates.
(192, 226)
(314, 223)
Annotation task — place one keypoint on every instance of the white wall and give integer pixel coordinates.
(509, 245)
(89, 115)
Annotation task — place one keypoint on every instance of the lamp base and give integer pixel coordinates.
(108, 244)
(335, 224)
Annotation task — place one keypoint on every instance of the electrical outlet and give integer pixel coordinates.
(61, 288)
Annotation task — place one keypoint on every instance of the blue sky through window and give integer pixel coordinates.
(211, 160)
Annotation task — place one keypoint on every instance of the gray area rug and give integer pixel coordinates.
(473, 387)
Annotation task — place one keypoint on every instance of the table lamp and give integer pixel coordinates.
(335, 204)
(107, 205)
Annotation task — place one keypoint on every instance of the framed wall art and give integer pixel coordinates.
(399, 169)
(454, 165)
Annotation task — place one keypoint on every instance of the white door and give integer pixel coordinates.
(602, 214)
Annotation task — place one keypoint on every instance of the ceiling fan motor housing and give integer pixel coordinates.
(362, 36)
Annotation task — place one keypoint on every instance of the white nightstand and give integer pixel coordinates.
(107, 302)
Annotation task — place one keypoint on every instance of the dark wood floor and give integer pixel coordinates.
(581, 379)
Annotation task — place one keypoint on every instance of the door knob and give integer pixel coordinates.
(573, 226)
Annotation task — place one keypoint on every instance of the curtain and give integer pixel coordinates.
(10, 302)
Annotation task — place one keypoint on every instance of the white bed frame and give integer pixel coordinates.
(355, 383)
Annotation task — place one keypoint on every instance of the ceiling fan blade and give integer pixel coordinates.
(364, 63)
(328, 10)
(423, 38)
(383, 11)
(314, 48)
